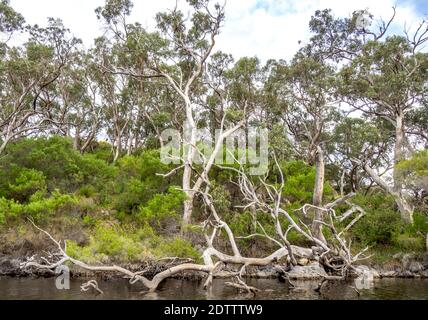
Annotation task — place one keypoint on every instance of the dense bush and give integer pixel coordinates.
(299, 182)
(27, 183)
(162, 207)
(27, 161)
(382, 224)
(39, 207)
(137, 180)
(111, 242)
(130, 213)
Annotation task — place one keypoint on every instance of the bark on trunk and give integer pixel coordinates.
(405, 208)
(188, 209)
(190, 143)
(318, 195)
(4, 145)
(76, 141)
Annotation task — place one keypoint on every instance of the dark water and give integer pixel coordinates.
(26, 289)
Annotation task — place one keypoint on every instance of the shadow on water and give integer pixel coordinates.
(271, 289)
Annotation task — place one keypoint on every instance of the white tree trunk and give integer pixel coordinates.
(318, 195)
(405, 208)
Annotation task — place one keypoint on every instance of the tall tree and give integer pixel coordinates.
(387, 80)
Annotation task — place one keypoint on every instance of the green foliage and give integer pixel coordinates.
(102, 151)
(221, 198)
(8, 209)
(409, 242)
(177, 247)
(63, 168)
(378, 227)
(415, 170)
(111, 242)
(381, 223)
(383, 226)
(162, 207)
(114, 242)
(28, 182)
(10, 20)
(412, 237)
(299, 182)
(128, 209)
(241, 224)
(137, 181)
(39, 208)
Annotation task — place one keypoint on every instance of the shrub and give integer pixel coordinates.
(409, 242)
(381, 222)
(221, 198)
(299, 182)
(378, 227)
(38, 208)
(137, 180)
(162, 207)
(102, 151)
(9, 209)
(28, 182)
(114, 242)
(177, 248)
(54, 158)
(110, 242)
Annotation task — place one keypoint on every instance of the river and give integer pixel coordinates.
(45, 289)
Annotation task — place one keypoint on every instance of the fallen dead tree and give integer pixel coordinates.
(335, 256)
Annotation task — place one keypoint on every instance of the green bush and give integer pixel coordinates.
(409, 242)
(381, 222)
(115, 243)
(177, 248)
(162, 207)
(137, 180)
(27, 183)
(103, 151)
(63, 168)
(378, 227)
(299, 182)
(9, 209)
(39, 208)
(111, 242)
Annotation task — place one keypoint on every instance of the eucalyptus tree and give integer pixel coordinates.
(312, 102)
(383, 77)
(10, 22)
(79, 112)
(387, 80)
(28, 76)
(176, 54)
(352, 137)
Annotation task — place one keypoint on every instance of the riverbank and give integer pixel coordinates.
(405, 265)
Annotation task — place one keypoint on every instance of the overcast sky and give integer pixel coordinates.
(263, 28)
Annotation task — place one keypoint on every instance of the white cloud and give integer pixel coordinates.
(266, 28)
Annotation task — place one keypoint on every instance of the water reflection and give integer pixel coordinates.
(271, 289)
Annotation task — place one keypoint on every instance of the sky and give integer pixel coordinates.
(269, 29)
